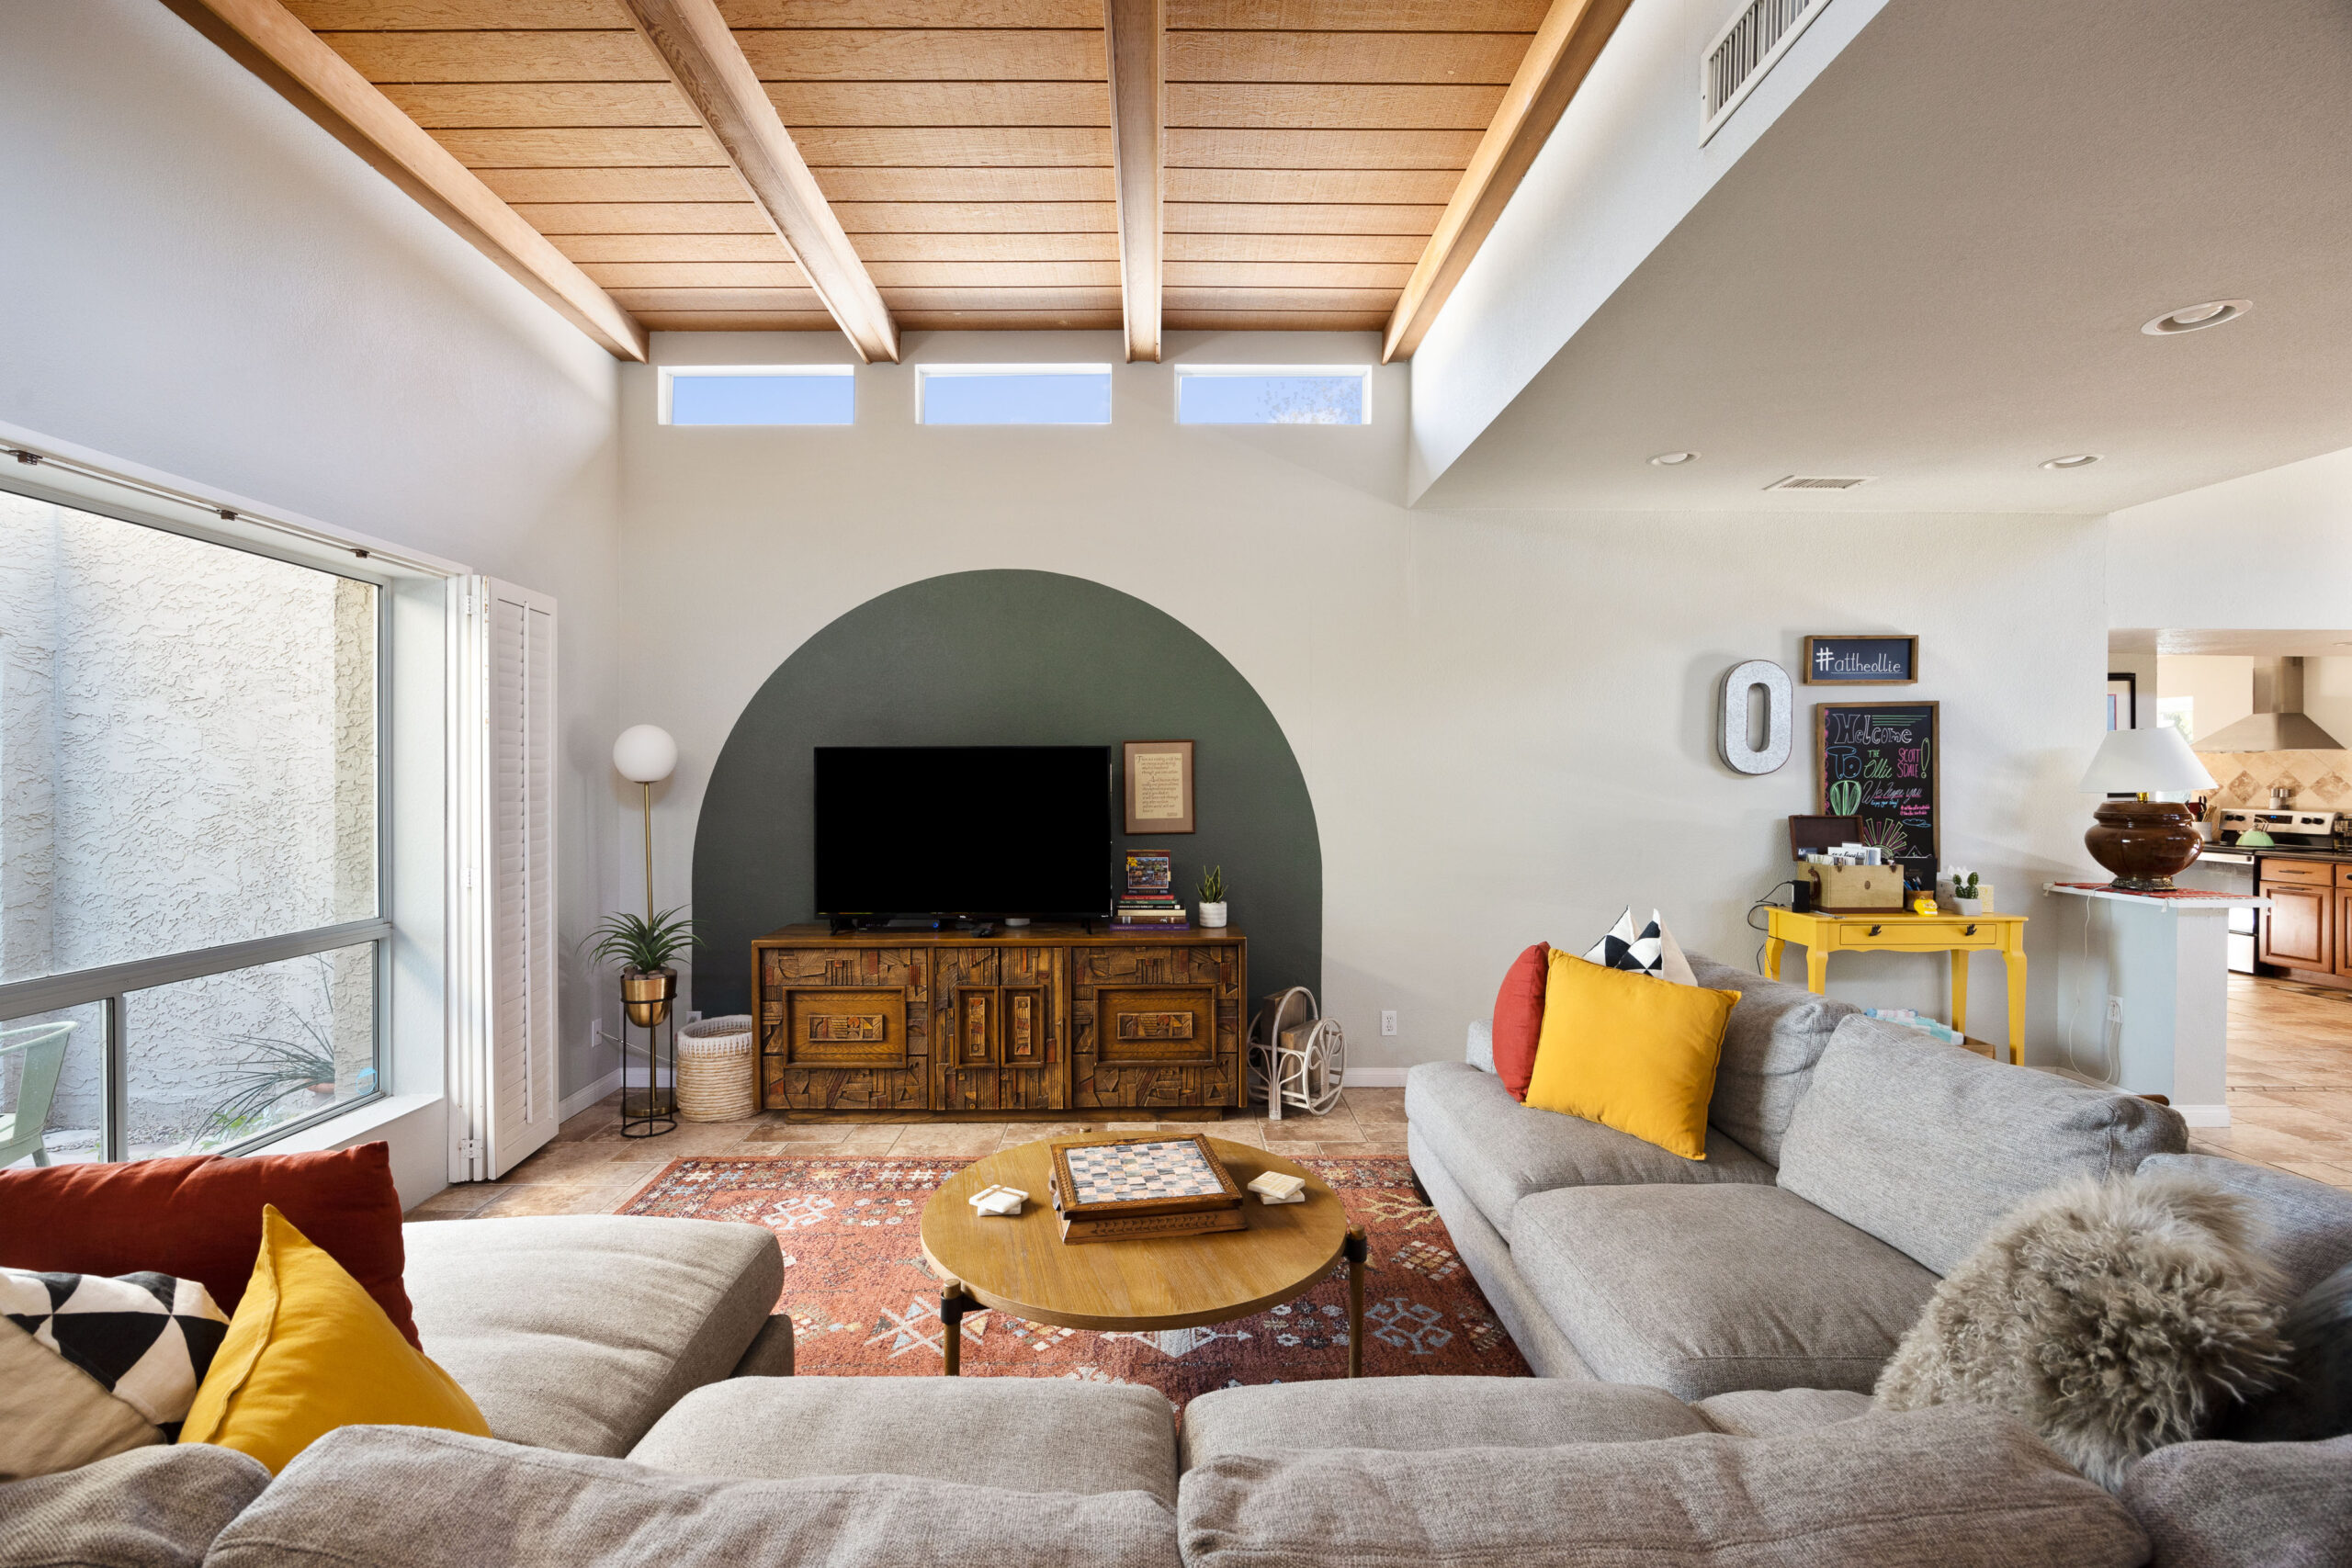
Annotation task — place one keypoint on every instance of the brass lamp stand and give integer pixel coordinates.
(645, 754)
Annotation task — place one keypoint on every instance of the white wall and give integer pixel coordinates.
(201, 280)
(2272, 549)
(2327, 692)
(1505, 721)
(2220, 684)
(1620, 171)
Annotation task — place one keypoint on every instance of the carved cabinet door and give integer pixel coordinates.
(998, 1022)
(1156, 1026)
(844, 1029)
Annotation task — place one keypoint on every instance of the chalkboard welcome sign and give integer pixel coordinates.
(1877, 762)
(1861, 660)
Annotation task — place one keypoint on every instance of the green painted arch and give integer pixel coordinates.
(1007, 659)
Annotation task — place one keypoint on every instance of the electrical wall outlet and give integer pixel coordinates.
(2115, 1010)
(1387, 1023)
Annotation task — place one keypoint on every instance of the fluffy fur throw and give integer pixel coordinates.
(2114, 1318)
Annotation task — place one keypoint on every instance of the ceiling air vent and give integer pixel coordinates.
(1821, 482)
(1749, 46)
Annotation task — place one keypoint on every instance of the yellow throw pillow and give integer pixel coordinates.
(1631, 1052)
(310, 1350)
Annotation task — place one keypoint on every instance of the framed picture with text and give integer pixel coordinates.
(1158, 787)
(1872, 658)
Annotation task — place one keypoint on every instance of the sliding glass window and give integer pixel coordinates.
(191, 932)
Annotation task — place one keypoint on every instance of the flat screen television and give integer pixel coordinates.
(967, 830)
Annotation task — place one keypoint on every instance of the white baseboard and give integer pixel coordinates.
(1375, 1077)
(2204, 1115)
(581, 1099)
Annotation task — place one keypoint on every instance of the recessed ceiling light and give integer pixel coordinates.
(1673, 459)
(2079, 460)
(2191, 318)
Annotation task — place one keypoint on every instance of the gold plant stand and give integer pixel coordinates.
(649, 1111)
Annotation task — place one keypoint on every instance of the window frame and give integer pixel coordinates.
(666, 380)
(1362, 373)
(960, 371)
(108, 984)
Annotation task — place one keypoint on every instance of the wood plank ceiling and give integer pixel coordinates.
(1309, 149)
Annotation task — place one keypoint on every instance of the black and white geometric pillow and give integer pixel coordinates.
(1651, 950)
(147, 1339)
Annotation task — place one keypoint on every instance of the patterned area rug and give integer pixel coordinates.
(863, 1302)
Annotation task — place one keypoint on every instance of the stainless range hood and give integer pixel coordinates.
(2277, 722)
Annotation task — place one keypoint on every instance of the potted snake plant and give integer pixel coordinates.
(1213, 899)
(644, 945)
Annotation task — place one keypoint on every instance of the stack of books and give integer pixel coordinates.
(1150, 903)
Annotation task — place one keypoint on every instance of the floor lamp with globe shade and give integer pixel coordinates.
(645, 755)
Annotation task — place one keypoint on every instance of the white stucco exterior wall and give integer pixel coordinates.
(199, 279)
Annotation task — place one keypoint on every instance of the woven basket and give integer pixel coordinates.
(719, 1062)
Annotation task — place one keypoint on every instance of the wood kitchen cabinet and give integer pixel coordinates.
(2300, 929)
(2344, 921)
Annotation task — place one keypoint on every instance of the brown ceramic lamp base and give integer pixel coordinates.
(2144, 842)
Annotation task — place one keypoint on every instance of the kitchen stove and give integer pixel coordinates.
(2288, 829)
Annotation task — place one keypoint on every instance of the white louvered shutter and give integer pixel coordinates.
(507, 1090)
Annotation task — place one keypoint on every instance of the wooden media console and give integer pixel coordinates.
(1045, 1022)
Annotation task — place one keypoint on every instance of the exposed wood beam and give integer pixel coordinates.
(268, 41)
(1557, 60)
(1136, 31)
(699, 48)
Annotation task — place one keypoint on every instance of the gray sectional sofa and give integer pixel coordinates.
(636, 1382)
(1850, 1164)
(1434, 1473)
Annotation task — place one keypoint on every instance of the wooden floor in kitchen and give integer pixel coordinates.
(2291, 1079)
(2291, 1106)
(592, 1169)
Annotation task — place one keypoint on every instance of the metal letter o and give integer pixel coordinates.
(1731, 716)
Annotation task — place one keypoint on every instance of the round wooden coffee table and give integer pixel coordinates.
(1021, 1266)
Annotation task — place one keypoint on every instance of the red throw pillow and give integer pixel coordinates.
(198, 1217)
(1518, 1017)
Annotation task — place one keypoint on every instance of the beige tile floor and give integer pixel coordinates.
(2291, 1106)
(592, 1169)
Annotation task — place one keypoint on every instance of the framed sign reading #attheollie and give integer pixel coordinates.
(1866, 660)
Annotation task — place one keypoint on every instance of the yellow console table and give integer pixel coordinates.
(1902, 931)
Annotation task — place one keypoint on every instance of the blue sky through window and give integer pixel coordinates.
(1334, 397)
(825, 399)
(1017, 395)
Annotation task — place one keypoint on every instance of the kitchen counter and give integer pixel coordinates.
(2155, 981)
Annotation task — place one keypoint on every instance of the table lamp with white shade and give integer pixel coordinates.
(2145, 841)
(646, 755)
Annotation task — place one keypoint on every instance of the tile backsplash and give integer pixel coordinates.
(2322, 780)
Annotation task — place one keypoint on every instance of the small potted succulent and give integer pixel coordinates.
(643, 945)
(1967, 894)
(1213, 899)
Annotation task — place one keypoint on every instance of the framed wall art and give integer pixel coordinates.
(1877, 762)
(1158, 787)
(1865, 659)
(2122, 700)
